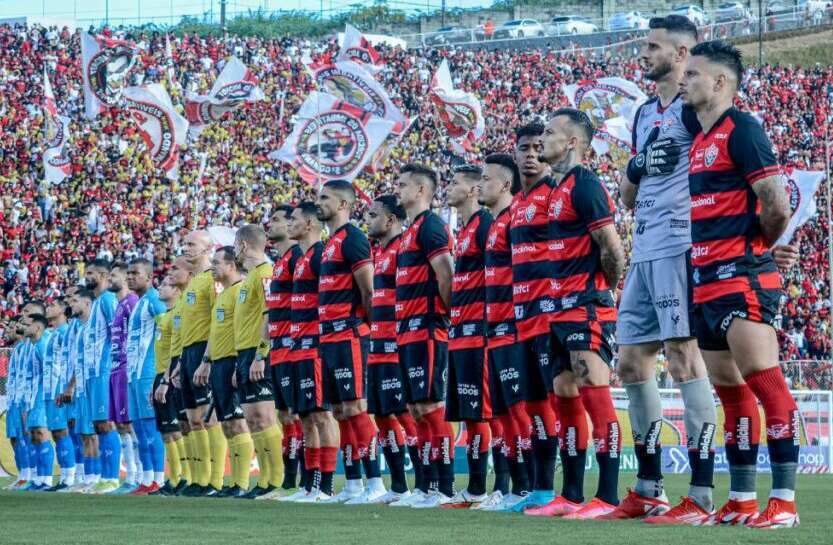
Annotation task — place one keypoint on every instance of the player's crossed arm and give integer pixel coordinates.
(612, 256)
(775, 207)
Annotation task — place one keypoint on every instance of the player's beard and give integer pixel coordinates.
(115, 288)
(659, 71)
(91, 284)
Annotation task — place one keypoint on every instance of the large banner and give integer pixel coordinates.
(458, 110)
(104, 66)
(396, 135)
(235, 86)
(332, 139)
(605, 98)
(56, 165)
(613, 137)
(160, 126)
(801, 186)
(356, 48)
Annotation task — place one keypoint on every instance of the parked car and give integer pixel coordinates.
(448, 35)
(519, 28)
(627, 20)
(777, 7)
(571, 24)
(694, 13)
(731, 11)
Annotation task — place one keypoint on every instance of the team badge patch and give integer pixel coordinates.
(221, 314)
(241, 297)
(530, 212)
(711, 155)
(191, 298)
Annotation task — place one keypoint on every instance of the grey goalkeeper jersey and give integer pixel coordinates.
(662, 226)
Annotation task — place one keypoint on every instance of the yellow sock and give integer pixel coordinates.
(202, 451)
(272, 443)
(241, 459)
(219, 450)
(182, 449)
(262, 460)
(174, 466)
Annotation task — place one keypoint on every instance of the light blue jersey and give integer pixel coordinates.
(22, 374)
(69, 353)
(77, 358)
(37, 356)
(12, 379)
(97, 342)
(141, 335)
(53, 364)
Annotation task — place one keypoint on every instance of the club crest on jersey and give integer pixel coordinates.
(299, 270)
(279, 270)
(241, 296)
(711, 155)
(385, 264)
(191, 298)
(329, 252)
(666, 125)
(464, 245)
(529, 213)
(406, 241)
(555, 209)
(492, 240)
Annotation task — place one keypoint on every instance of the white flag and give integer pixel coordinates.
(104, 67)
(383, 152)
(605, 98)
(160, 126)
(357, 48)
(56, 164)
(459, 111)
(235, 86)
(614, 138)
(801, 185)
(332, 139)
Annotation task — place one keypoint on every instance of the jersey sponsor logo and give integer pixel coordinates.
(613, 439)
(699, 250)
(522, 249)
(645, 204)
(742, 439)
(726, 271)
(416, 372)
(667, 301)
(652, 437)
(519, 312)
(704, 444)
(795, 425)
(575, 337)
(414, 323)
(569, 302)
(556, 246)
(467, 390)
(711, 155)
(519, 289)
(678, 224)
(391, 384)
(221, 314)
(727, 321)
(241, 295)
(390, 347)
(501, 329)
(342, 374)
(191, 298)
(509, 374)
(546, 305)
(703, 201)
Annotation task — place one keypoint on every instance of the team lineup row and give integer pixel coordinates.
(340, 346)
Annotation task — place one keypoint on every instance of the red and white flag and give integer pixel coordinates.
(614, 138)
(104, 66)
(383, 152)
(56, 164)
(459, 111)
(235, 86)
(605, 98)
(160, 126)
(801, 186)
(355, 47)
(332, 139)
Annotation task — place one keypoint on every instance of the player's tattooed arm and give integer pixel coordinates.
(612, 255)
(443, 266)
(775, 207)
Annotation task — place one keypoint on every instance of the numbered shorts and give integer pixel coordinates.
(424, 365)
(345, 363)
(309, 386)
(536, 358)
(138, 398)
(56, 417)
(656, 301)
(713, 318)
(385, 388)
(508, 376)
(193, 396)
(167, 413)
(581, 329)
(98, 398)
(252, 392)
(283, 384)
(36, 415)
(226, 397)
(119, 407)
(468, 396)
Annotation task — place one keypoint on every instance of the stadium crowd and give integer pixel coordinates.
(116, 205)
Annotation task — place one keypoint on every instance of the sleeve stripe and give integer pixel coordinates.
(765, 172)
(438, 251)
(360, 264)
(599, 223)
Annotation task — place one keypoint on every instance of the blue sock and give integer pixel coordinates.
(21, 456)
(110, 447)
(103, 454)
(96, 461)
(89, 465)
(144, 446)
(46, 459)
(65, 451)
(32, 455)
(78, 446)
(156, 446)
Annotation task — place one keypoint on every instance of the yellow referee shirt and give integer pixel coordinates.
(251, 305)
(221, 337)
(176, 327)
(162, 346)
(199, 299)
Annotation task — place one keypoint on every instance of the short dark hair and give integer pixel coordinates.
(425, 171)
(472, 172)
(677, 24)
(100, 263)
(578, 119)
(144, 263)
(308, 209)
(85, 293)
(35, 302)
(342, 186)
(286, 209)
(505, 160)
(535, 128)
(724, 53)
(40, 318)
(118, 265)
(392, 206)
(227, 254)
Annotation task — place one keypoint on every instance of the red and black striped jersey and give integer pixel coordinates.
(340, 308)
(529, 239)
(579, 205)
(500, 316)
(728, 252)
(468, 287)
(383, 311)
(279, 301)
(418, 303)
(304, 308)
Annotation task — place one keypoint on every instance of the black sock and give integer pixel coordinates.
(396, 465)
(529, 460)
(573, 488)
(430, 470)
(290, 471)
(501, 468)
(352, 468)
(416, 464)
(445, 467)
(302, 469)
(314, 480)
(478, 465)
(371, 467)
(326, 485)
(545, 453)
(608, 477)
(520, 477)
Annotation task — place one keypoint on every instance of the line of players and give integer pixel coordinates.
(508, 330)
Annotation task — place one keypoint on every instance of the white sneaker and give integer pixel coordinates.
(367, 496)
(494, 499)
(78, 488)
(411, 499)
(465, 500)
(344, 496)
(273, 495)
(434, 499)
(390, 497)
(315, 496)
(292, 498)
(509, 501)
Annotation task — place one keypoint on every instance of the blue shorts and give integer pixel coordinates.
(14, 422)
(72, 410)
(56, 417)
(36, 416)
(83, 422)
(138, 399)
(98, 398)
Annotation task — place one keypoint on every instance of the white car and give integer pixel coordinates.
(731, 11)
(519, 28)
(694, 13)
(627, 20)
(571, 24)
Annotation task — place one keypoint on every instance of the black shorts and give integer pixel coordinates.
(167, 414)
(592, 335)
(283, 384)
(252, 392)
(468, 396)
(177, 392)
(309, 387)
(226, 398)
(345, 363)
(711, 320)
(424, 367)
(536, 357)
(193, 396)
(385, 389)
(508, 379)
